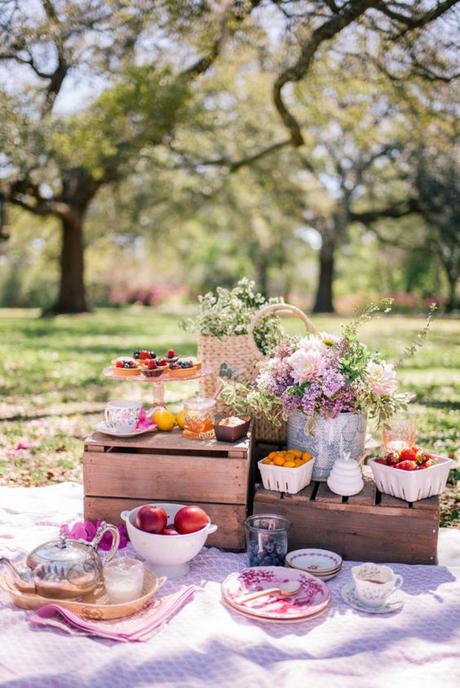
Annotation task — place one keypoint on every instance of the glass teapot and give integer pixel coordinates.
(64, 568)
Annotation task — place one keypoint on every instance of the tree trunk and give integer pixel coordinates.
(324, 292)
(72, 294)
(451, 304)
(262, 265)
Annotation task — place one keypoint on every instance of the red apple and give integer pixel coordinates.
(169, 530)
(151, 518)
(189, 519)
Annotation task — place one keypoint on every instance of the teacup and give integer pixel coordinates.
(374, 583)
(122, 416)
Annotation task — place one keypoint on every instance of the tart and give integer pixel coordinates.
(183, 368)
(151, 368)
(125, 366)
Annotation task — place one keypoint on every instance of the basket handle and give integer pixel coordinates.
(281, 309)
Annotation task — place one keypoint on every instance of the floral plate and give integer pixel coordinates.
(320, 561)
(267, 619)
(312, 597)
(102, 427)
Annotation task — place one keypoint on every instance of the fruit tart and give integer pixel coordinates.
(151, 368)
(125, 366)
(183, 368)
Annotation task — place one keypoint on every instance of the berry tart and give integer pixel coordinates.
(125, 366)
(183, 368)
(142, 355)
(152, 368)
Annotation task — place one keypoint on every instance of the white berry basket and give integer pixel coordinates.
(412, 485)
(282, 479)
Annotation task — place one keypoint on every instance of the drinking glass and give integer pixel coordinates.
(399, 432)
(199, 415)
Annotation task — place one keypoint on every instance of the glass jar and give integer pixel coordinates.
(199, 415)
(267, 539)
(399, 431)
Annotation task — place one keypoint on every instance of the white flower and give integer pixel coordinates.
(381, 378)
(329, 339)
(306, 363)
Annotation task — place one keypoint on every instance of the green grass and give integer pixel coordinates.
(52, 389)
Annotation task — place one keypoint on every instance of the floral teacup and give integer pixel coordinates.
(374, 583)
(122, 416)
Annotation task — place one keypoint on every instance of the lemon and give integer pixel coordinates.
(180, 419)
(164, 420)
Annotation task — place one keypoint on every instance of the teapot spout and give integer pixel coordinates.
(22, 579)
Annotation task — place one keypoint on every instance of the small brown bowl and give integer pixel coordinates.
(231, 433)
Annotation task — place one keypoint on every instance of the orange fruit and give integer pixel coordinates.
(279, 460)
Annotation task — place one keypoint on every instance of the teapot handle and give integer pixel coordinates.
(103, 528)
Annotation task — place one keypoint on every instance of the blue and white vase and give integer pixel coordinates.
(332, 436)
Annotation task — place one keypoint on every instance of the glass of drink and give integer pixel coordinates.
(399, 431)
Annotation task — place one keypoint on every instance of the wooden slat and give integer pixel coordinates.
(324, 494)
(367, 495)
(171, 478)
(174, 440)
(229, 517)
(304, 495)
(389, 501)
(430, 504)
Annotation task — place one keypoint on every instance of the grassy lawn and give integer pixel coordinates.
(53, 392)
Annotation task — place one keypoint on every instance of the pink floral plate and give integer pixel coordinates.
(267, 619)
(311, 598)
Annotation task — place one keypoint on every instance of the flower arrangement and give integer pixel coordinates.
(325, 375)
(228, 312)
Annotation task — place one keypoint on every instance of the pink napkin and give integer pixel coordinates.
(144, 422)
(139, 627)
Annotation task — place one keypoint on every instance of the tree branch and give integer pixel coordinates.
(415, 22)
(299, 69)
(393, 211)
(233, 14)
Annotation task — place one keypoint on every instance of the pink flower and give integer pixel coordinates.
(381, 378)
(307, 362)
(86, 530)
(25, 444)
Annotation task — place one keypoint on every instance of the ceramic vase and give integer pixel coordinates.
(329, 438)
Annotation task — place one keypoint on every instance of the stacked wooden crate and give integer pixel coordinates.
(120, 474)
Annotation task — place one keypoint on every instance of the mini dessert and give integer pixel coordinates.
(171, 356)
(144, 355)
(150, 368)
(183, 368)
(231, 429)
(124, 366)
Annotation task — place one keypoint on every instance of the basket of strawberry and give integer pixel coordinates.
(412, 473)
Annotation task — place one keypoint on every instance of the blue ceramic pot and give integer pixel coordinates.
(347, 430)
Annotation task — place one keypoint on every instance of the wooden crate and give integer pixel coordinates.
(123, 473)
(367, 527)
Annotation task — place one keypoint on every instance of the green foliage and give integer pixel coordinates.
(229, 312)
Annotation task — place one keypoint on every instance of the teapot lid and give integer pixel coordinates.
(64, 551)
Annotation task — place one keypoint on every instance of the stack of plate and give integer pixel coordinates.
(320, 563)
(310, 601)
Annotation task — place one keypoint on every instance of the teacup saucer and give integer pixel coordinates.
(102, 427)
(393, 604)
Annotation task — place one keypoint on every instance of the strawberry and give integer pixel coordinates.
(162, 362)
(383, 461)
(408, 454)
(406, 465)
(151, 364)
(428, 463)
(119, 364)
(144, 355)
(392, 458)
(171, 353)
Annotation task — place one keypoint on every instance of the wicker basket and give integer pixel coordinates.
(236, 357)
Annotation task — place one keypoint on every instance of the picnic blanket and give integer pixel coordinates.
(206, 644)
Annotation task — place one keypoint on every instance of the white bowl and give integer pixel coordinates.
(281, 479)
(169, 554)
(412, 485)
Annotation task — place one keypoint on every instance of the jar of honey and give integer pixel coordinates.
(199, 418)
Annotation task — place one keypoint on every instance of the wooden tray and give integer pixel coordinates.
(94, 606)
